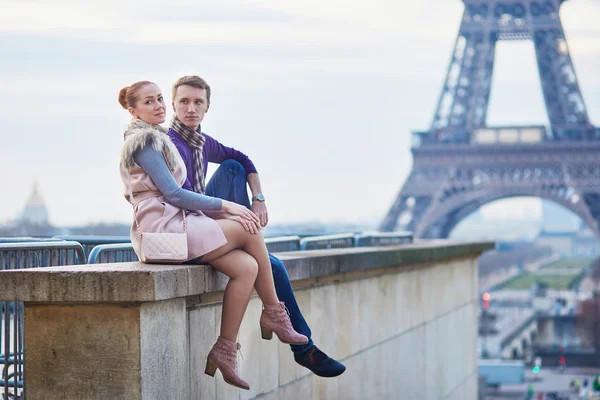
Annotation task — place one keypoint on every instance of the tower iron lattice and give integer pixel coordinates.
(460, 163)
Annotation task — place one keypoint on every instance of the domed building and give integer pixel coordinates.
(35, 211)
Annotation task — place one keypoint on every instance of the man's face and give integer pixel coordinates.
(190, 104)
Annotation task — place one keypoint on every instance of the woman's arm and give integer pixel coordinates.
(156, 167)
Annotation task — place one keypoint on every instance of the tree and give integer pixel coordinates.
(594, 272)
(589, 320)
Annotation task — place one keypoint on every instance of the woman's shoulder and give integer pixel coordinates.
(140, 132)
(140, 135)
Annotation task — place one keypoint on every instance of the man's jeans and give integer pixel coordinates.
(229, 183)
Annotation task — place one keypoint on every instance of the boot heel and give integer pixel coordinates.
(267, 334)
(211, 367)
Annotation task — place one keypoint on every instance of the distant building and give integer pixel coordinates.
(581, 242)
(560, 242)
(585, 243)
(33, 219)
(34, 212)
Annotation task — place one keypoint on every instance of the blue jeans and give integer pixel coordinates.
(229, 183)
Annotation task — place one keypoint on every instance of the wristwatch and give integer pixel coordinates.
(258, 197)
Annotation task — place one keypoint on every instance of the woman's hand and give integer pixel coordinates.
(214, 214)
(241, 214)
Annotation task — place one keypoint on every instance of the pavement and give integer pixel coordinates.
(547, 380)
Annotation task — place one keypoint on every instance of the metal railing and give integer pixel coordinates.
(343, 240)
(382, 238)
(89, 241)
(283, 243)
(123, 252)
(110, 253)
(20, 255)
(27, 239)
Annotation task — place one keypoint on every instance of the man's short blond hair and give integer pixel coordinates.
(194, 81)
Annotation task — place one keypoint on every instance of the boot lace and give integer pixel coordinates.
(281, 314)
(230, 357)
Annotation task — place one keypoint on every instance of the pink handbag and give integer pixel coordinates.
(162, 247)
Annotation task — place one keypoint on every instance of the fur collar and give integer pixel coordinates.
(140, 134)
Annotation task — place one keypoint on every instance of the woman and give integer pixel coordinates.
(153, 172)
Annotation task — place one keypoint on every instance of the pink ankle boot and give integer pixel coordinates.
(224, 357)
(275, 318)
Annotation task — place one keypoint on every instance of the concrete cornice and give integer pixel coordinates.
(137, 282)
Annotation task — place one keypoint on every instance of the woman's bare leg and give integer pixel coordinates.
(241, 268)
(253, 244)
(273, 318)
(264, 285)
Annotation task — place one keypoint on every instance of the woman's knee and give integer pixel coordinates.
(251, 239)
(238, 236)
(247, 269)
(234, 232)
(257, 237)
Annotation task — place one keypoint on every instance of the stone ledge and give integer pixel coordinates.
(318, 263)
(137, 282)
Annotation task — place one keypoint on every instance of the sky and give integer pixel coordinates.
(321, 94)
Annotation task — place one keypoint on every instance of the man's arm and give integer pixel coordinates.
(258, 207)
(217, 153)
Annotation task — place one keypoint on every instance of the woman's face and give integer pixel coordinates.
(150, 106)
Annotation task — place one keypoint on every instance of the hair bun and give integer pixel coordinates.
(123, 97)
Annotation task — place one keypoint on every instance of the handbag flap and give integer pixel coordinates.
(164, 246)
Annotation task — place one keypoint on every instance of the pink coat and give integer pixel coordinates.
(153, 212)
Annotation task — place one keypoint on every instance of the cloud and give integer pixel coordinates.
(45, 16)
(328, 80)
(222, 12)
(227, 21)
(522, 208)
(261, 21)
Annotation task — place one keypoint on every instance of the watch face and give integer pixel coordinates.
(260, 197)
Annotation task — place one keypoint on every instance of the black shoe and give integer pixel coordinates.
(320, 363)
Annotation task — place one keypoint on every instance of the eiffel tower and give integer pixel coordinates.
(460, 163)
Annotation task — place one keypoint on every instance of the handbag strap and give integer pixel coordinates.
(137, 224)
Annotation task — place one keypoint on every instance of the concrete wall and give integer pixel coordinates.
(409, 334)
(403, 320)
(561, 330)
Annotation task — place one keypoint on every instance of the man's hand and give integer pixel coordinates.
(260, 209)
(241, 214)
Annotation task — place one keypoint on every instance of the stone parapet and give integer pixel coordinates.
(138, 282)
(403, 319)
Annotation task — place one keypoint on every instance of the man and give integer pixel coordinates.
(191, 101)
